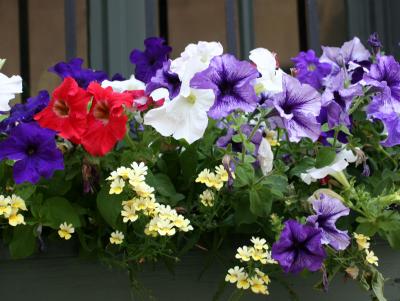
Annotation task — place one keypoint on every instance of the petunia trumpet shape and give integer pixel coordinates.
(327, 211)
(9, 86)
(183, 117)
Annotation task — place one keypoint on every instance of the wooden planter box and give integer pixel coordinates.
(60, 275)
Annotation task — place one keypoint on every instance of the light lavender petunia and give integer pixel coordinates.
(232, 83)
(296, 109)
(327, 211)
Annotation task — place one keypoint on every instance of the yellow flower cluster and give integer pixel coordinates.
(10, 208)
(164, 220)
(66, 230)
(207, 198)
(214, 179)
(363, 244)
(252, 277)
(117, 237)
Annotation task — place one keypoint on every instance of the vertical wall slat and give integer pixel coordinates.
(231, 25)
(23, 16)
(70, 28)
(312, 20)
(246, 25)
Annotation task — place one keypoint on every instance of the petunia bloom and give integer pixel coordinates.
(183, 117)
(24, 112)
(9, 86)
(232, 82)
(120, 86)
(66, 111)
(309, 69)
(327, 211)
(296, 109)
(74, 69)
(151, 59)
(165, 78)
(35, 152)
(299, 247)
(106, 122)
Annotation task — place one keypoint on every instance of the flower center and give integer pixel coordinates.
(191, 99)
(31, 150)
(61, 108)
(101, 111)
(311, 67)
(226, 88)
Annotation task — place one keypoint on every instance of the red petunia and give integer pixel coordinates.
(143, 102)
(106, 122)
(66, 111)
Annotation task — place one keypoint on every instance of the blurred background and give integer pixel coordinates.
(36, 34)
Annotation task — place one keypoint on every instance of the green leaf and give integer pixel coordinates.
(260, 202)
(393, 238)
(110, 206)
(163, 185)
(188, 162)
(378, 283)
(367, 229)
(325, 157)
(244, 175)
(243, 214)
(57, 210)
(25, 191)
(277, 184)
(23, 243)
(238, 138)
(57, 185)
(302, 166)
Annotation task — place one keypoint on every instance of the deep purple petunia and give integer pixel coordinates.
(151, 59)
(296, 109)
(327, 211)
(386, 109)
(231, 81)
(22, 113)
(74, 69)
(165, 78)
(34, 150)
(246, 129)
(337, 99)
(299, 247)
(309, 70)
(385, 72)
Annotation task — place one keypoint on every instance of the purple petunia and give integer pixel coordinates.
(151, 59)
(309, 70)
(35, 151)
(22, 113)
(385, 72)
(74, 69)
(231, 81)
(296, 109)
(375, 42)
(327, 211)
(246, 129)
(299, 247)
(337, 99)
(165, 78)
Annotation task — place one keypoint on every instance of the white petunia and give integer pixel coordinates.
(271, 77)
(342, 160)
(265, 156)
(195, 58)
(9, 86)
(125, 85)
(160, 93)
(183, 117)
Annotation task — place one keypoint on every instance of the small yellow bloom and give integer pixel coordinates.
(244, 253)
(271, 137)
(117, 186)
(182, 223)
(222, 173)
(203, 176)
(15, 218)
(166, 212)
(5, 208)
(144, 190)
(259, 243)
(129, 214)
(263, 276)
(139, 169)
(234, 274)
(18, 203)
(117, 237)
(259, 255)
(123, 172)
(165, 227)
(371, 258)
(257, 286)
(207, 198)
(362, 241)
(243, 281)
(66, 230)
(114, 175)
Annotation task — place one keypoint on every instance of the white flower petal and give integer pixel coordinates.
(160, 93)
(9, 86)
(265, 156)
(126, 85)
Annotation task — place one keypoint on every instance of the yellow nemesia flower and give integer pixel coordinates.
(5, 208)
(124, 172)
(244, 253)
(17, 202)
(117, 186)
(263, 276)
(362, 241)
(259, 243)
(139, 169)
(117, 237)
(182, 223)
(222, 173)
(15, 218)
(243, 281)
(144, 190)
(165, 227)
(129, 214)
(66, 230)
(257, 286)
(207, 198)
(203, 176)
(371, 258)
(234, 274)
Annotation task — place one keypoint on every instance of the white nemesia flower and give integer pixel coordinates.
(9, 86)
(195, 58)
(265, 156)
(271, 78)
(125, 85)
(342, 160)
(183, 117)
